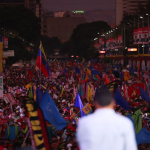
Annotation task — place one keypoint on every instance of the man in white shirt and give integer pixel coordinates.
(105, 129)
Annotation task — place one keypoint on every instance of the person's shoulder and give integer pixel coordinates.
(123, 119)
(86, 119)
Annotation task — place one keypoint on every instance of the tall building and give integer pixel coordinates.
(119, 11)
(37, 7)
(61, 24)
(11, 3)
(131, 6)
(127, 6)
(34, 5)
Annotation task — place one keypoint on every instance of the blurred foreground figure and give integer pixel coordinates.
(104, 129)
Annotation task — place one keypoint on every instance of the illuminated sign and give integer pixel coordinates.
(132, 49)
(78, 11)
(116, 50)
(102, 52)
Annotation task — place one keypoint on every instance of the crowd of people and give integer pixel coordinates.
(65, 81)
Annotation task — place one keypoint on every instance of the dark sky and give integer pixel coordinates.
(64, 5)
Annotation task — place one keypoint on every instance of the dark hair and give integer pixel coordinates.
(104, 97)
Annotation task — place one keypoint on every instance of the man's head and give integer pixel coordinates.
(104, 98)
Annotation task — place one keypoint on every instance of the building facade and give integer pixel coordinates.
(61, 24)
(11, 3)
(127, 6)
(34, 5)
(37, 7)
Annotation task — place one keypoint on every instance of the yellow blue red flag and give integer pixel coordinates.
(41, 61)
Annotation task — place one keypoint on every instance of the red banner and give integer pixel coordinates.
(145, 35)
(135, 35)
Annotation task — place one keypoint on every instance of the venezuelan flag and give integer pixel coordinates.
(41, 61)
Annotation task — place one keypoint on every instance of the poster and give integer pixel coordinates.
(1, 87)
(140, 34)
(135, 36)
(145, 35)
(87, 108)
(119, 40)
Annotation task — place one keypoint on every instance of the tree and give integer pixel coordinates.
(21, 53)
(83, 36)
(50, 44)
(21, 21)
(23, 30)
(68, 48)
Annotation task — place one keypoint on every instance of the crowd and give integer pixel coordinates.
(65, 81)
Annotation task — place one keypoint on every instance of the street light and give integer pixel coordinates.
(116, 28)
(146, 14)
(141, 17)
(98, 33)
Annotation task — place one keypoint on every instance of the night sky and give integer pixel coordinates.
(64, 5)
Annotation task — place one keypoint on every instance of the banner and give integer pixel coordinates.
(119, 40)
(1, 87)
(140, 33)
(145, 35)
(108, 43)
(135, 36)
(12, 101)
(87, 108)
(6, 42)
(101, 42)
(112, 44)
(38, 125)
